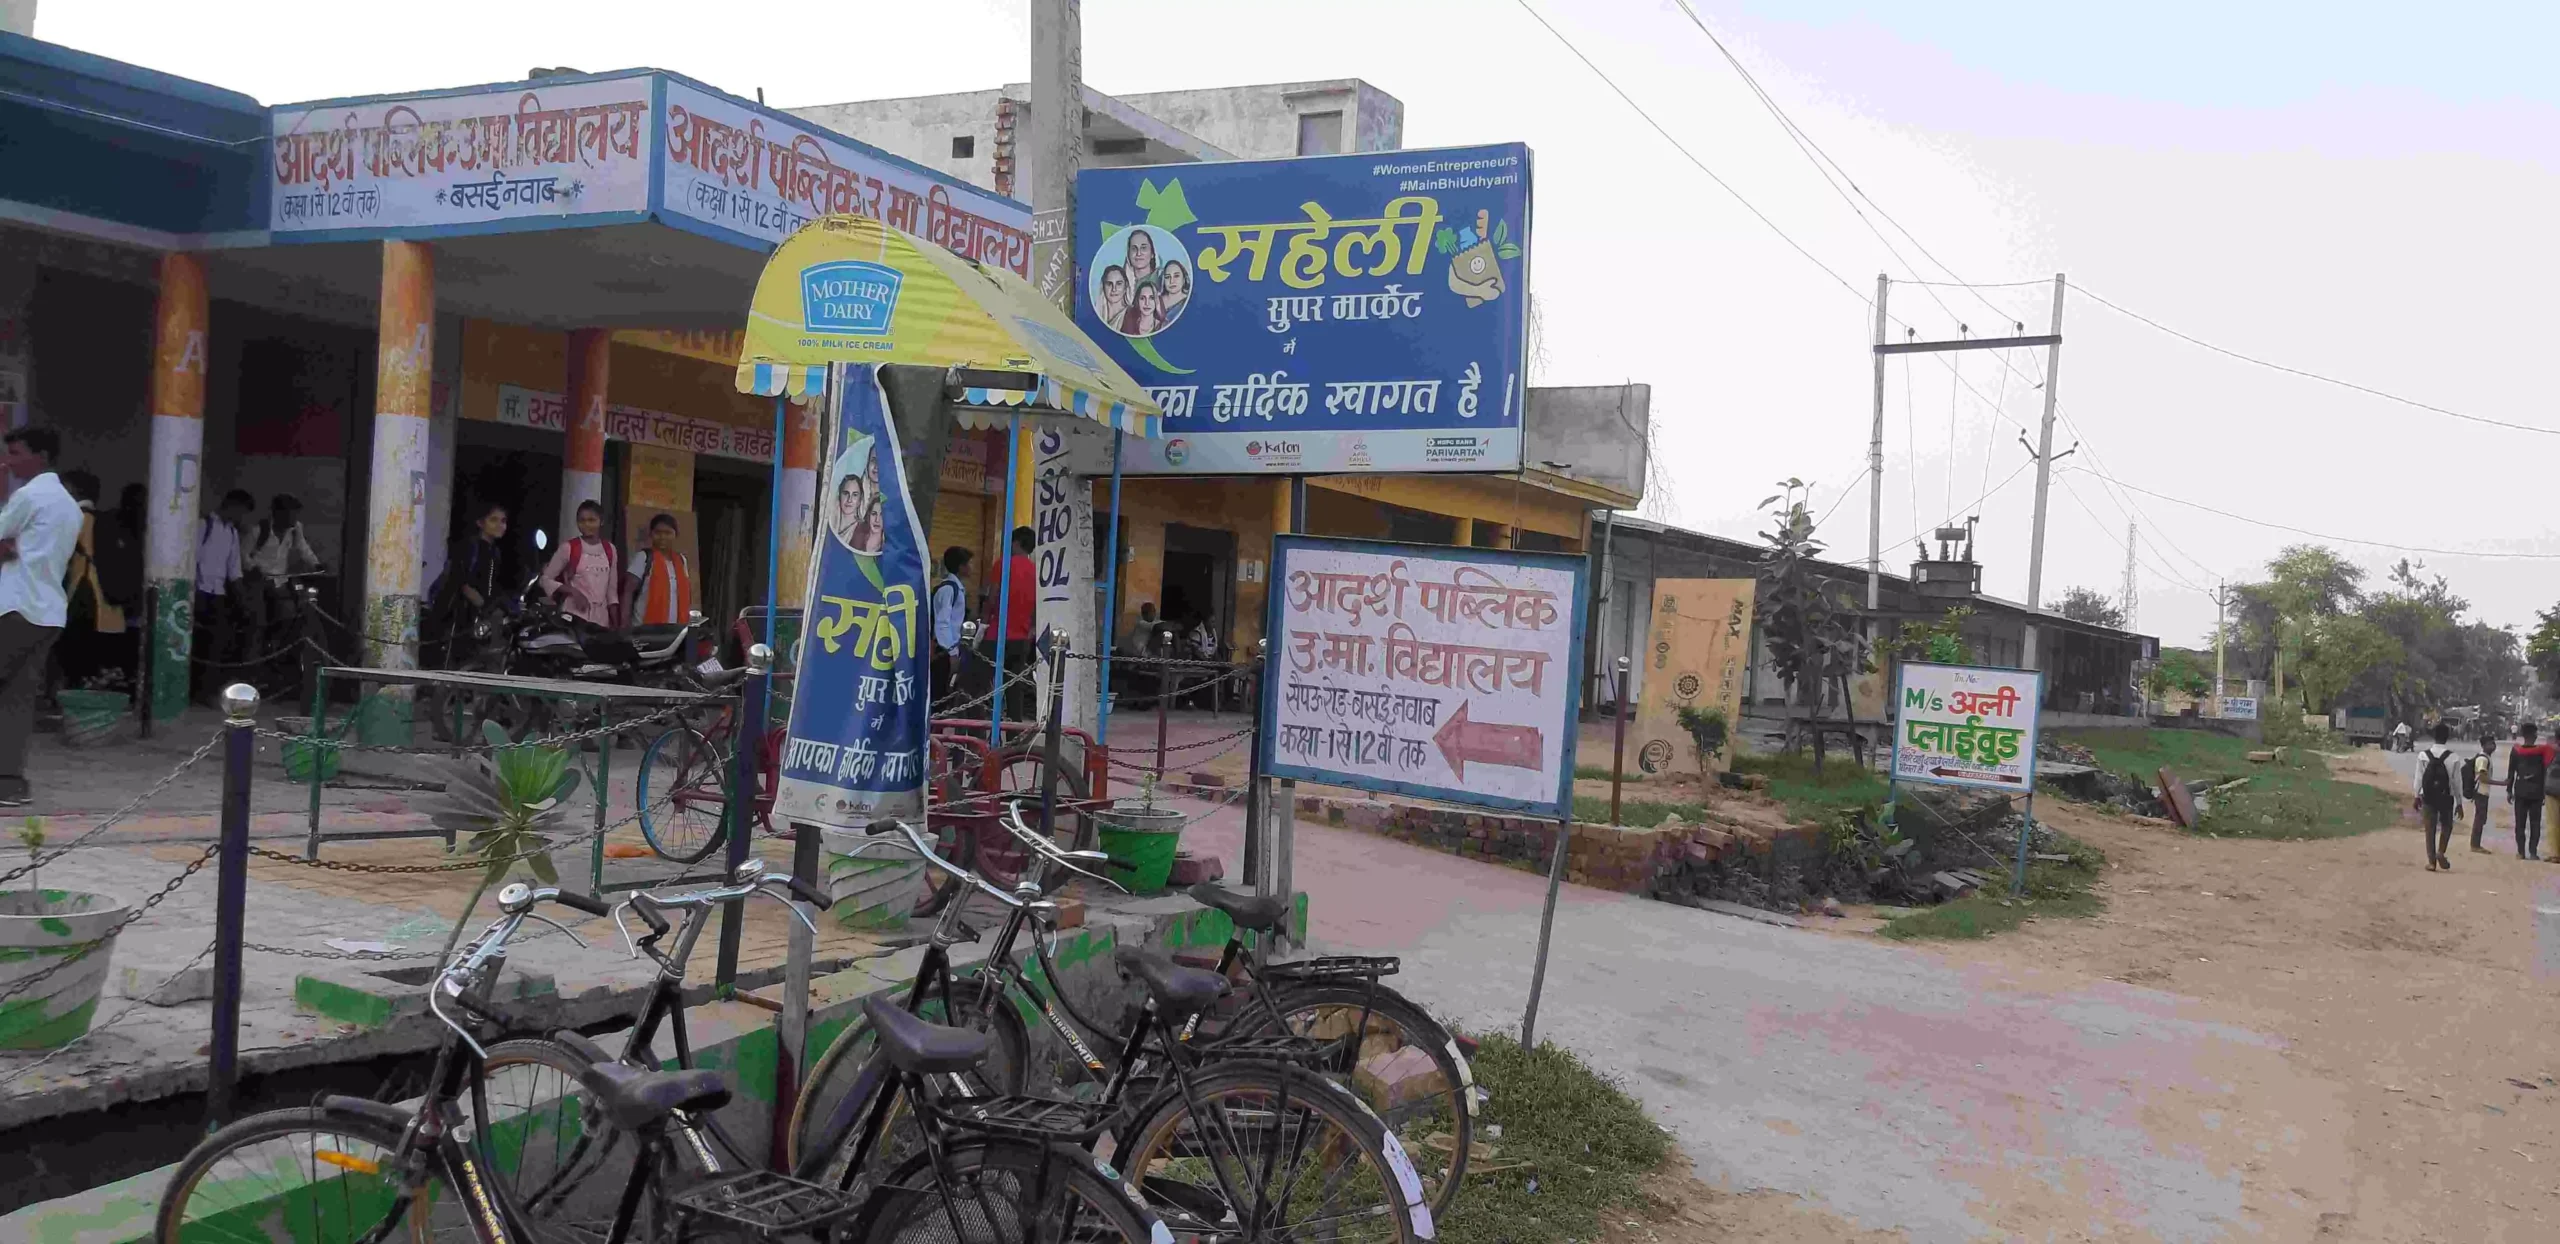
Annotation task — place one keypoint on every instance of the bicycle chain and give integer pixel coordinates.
(117, 817)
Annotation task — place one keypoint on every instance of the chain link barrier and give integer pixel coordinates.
(116, 817)
(119, 1017)
(669, 713)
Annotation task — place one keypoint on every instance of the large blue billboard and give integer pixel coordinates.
(1360, 312)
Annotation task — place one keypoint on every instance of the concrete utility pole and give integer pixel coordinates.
(2044, 473)
(1057, 144)
(1875, 465)
(2221, 595)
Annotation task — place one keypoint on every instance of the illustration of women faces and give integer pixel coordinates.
(1142, 257)
(1177, 290)
(1146, 315)
(872, 533)
(1115, 295)
(857, 482)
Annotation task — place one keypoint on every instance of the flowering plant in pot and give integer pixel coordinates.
(1141, 838)
(54, 948)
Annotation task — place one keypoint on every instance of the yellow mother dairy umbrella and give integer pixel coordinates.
(849, 289)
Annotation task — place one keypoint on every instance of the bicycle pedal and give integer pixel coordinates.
(766, 1203)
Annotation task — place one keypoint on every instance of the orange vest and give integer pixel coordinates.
(666, 590)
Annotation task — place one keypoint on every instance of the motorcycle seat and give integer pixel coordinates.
(657, 641)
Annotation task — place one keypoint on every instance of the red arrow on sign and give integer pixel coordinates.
(1461, 740)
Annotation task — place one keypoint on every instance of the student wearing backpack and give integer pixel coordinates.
(2528, 773)
(950, 609)
(583, 575)
(2433, 788)
(2477, 777)
(659, 591)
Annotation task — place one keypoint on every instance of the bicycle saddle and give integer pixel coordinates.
(1248, 911)
(920, 1047)
(1177, 991)
(635, 1100)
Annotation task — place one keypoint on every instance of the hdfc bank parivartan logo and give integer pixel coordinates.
(1176, 451)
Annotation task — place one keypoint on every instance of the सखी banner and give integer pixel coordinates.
(858, 716)
(1424, 670)
(1337, 313)
(1960, 725)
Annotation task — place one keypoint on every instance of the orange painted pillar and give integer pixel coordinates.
(582, 462)
(397, 495)
(799, 507)
(177, 455)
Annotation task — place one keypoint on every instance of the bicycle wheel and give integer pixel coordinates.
(1275, 1145)
(1432, 1113)
(547, 1142)
(308, 1174)
(838, 1094)
(683, 795)
(992, 1193)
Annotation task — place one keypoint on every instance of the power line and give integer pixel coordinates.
(2310, 375)
(1691, 156)
(2321, 535)
(1952, 515)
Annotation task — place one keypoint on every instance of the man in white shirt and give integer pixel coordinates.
(273, 549)
(950, 609)
(39, 527)
(220, 587)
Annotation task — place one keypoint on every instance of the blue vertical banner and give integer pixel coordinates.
(859, 714)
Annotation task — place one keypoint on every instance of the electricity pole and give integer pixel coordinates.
(2044, 474)
(1057, 144)
(2130, 600)
(2220, 596)
(1875, 465)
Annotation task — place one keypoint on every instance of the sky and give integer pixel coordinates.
(2351, 189)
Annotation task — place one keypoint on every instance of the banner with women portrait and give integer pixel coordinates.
(858, 716)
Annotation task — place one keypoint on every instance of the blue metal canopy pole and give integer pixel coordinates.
(1004, 578)
(1110, 597)
(773, 550)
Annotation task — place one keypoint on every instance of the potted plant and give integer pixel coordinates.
(63, 936)
(876, 882)
(503, 807)
(1141, 838)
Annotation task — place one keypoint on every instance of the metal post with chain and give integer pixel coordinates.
(231, 898)
(751, 711)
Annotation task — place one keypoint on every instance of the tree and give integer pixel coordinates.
(2542, 649)
(1812, 633)
(2337, 651)
(1942, 641)
(2180, 669)
(2088, 604)
(2306, 583)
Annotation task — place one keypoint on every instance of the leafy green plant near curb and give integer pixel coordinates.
(1573, 1145)
(503, 807)
(1707, 729)
(31, 836)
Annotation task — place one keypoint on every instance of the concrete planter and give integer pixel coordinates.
(300, 754)
(877, 889)
(36, 938)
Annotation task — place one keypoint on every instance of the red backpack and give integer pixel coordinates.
(612, 574)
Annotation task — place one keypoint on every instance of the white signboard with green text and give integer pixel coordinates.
(1961, 725)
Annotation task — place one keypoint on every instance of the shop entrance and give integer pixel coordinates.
(733, 511)
(527, 482)
(1199, 585)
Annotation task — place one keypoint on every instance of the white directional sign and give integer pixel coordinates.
(1963, 725)
(1449, 673)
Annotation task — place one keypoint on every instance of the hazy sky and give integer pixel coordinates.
(2355, 189)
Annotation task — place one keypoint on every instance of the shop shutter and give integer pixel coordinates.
(958, 518)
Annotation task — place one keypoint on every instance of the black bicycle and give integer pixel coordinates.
(354, 1170)
(1240, 1140)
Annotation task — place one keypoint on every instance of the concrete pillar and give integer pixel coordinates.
(1061, 522)
(1503, 535)
(443, 429)
(800, 503)
(582, 462)
(1465, 535)
(1057, 144)
(396, 496)
(177, 459)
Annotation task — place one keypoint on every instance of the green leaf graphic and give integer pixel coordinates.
(1110, 231)
(1501, 232)
(1507, 251)
(1146, 348)
(1445, 241)
(870, 567)
(1168, 208)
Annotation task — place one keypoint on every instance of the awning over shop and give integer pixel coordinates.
(849, 289)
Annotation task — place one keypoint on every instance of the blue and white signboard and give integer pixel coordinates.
(859, 714)
(1416, 669)
(1337, 313)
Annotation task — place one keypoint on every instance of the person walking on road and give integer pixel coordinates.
(950, 609)
(38, 528)
(2528, 772)
(2478, 775)
(2432, 787)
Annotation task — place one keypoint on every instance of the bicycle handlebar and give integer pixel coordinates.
(1048, 850)
(516, 904)
(915, 840)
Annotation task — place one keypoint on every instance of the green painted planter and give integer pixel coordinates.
(298, 753)
(35, 939)
(1141, 842)
(92, 717)
(877, 889)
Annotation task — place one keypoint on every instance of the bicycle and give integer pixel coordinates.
(1233, 1141)
(1332, 1013)
(350, 1169)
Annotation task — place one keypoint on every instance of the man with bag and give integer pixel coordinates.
(2528, 774)
(2433, 788)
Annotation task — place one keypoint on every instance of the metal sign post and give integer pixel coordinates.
(1960, 725)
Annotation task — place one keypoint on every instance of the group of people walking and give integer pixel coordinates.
(2441, 781)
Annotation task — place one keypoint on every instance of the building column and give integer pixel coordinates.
(800, 503)
(396, 496)
(177, 456)
(582, 462)
(1465, 534)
